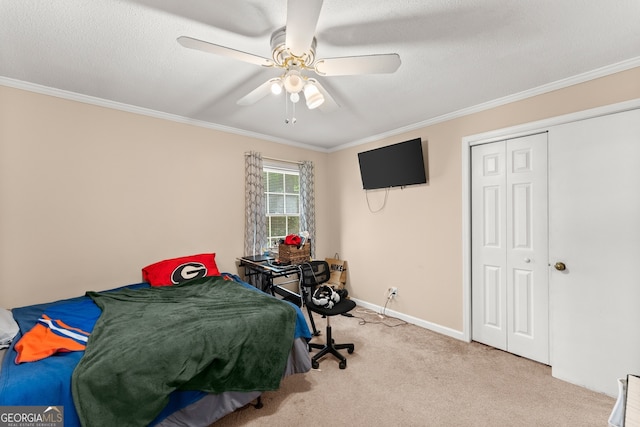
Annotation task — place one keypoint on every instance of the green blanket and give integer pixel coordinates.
(207, 334)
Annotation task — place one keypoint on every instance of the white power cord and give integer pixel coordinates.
(386, 193)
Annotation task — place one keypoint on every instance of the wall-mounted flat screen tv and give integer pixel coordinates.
(396, 165)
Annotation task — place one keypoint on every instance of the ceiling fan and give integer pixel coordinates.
(293, 49)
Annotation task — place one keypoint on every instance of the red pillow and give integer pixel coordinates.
(177, 270)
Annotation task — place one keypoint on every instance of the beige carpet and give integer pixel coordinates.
(409, 376)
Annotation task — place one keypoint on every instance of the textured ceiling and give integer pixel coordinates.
(456, 55)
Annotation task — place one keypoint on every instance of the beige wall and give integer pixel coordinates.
(90, 195)
(415, 242)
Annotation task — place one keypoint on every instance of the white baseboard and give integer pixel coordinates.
(414, 320)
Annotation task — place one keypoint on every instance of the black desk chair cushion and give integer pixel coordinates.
(339, 307)
(314, 274)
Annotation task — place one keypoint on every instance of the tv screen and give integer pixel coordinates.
(395, 165)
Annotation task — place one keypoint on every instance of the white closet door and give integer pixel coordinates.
(594, 206)
(527, 248)
(509, 246)
(488, 244)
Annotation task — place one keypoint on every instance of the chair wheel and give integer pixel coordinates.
(315, 364)
(343, 364)
(350, 350)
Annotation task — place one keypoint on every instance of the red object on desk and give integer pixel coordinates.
(292, 239)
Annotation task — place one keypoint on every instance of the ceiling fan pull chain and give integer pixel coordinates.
(286, 109)
(293, 114)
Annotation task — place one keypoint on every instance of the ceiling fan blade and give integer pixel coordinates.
(329, 105)
(201, 45)
(302, 18)
(258, 93)
(351, 65)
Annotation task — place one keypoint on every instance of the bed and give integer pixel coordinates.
(179, 355)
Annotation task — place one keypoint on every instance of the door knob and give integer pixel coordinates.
(560, 266)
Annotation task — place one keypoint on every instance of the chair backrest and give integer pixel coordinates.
(314, 273)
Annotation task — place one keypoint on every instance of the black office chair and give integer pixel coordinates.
(314, 274)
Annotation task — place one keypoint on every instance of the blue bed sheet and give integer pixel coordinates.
(48, 382)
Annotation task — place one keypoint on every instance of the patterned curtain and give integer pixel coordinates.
(255, 229)
(308, 202)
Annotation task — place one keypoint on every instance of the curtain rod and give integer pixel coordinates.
(296, 162)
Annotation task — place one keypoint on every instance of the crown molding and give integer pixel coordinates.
(100, 102)
(550, 87)
(560, 84)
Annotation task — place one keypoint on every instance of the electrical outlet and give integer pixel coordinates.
(393, 292)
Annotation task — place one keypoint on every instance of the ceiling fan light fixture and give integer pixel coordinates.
(313, 96)
(293, 81)
(276, 87)
(293, 53)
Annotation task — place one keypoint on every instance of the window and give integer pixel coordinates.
(282, 203)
